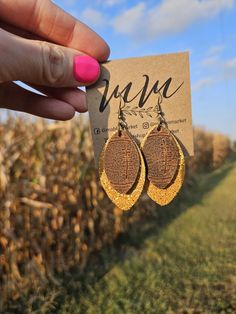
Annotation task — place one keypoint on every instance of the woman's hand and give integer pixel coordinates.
(46, 48)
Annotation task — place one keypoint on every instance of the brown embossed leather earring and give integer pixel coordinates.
(121, 166)
(164, 160)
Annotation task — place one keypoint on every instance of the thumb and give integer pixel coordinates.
(43, 63)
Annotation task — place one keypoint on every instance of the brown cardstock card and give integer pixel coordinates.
(142, 82)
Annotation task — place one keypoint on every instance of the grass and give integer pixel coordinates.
(181, 261)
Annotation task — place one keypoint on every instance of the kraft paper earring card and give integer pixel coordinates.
(142, 82)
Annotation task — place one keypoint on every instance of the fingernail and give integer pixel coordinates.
(86, 69)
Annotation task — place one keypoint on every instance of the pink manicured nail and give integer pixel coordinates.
(86, 69)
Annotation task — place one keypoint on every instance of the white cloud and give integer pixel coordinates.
(229, 69)
(213, 56)
(216, 49)
(93, 17)
(129, 21)
(67, 2)
(231, 63)
(225, 70)
(109, 3)
(168, 17)
(203, 83)
(210, 61)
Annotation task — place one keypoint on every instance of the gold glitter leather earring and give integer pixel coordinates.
(121, 166)
(165, 162)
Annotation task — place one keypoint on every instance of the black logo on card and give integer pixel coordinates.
(166, 90)
(145, 125)
(97, 131)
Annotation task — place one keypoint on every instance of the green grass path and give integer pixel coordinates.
(187, 265)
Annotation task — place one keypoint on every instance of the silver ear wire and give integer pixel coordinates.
(121, 120)
(161, 119)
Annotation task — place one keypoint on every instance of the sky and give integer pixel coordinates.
(206, 28)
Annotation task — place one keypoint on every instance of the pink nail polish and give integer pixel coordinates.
(86, 69)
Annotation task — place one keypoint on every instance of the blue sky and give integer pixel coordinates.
(207, 29)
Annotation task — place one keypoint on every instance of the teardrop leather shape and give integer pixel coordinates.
(162, 157)
(121, 162)
(123, 201)
(164, 196)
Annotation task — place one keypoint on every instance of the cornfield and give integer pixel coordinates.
(53, 211)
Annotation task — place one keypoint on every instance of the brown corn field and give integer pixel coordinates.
(53, 211)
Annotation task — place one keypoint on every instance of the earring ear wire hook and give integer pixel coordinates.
(161, 119)
(121, 119)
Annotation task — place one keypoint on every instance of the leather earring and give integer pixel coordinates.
(121, 166)
(165, 163)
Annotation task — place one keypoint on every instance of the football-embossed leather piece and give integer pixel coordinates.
(121, 162)
(162, 157)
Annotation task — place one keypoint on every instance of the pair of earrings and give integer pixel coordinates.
(158, 166)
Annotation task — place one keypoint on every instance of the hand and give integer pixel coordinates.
(46, 48)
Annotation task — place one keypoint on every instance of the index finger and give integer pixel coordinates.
(47, 20)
